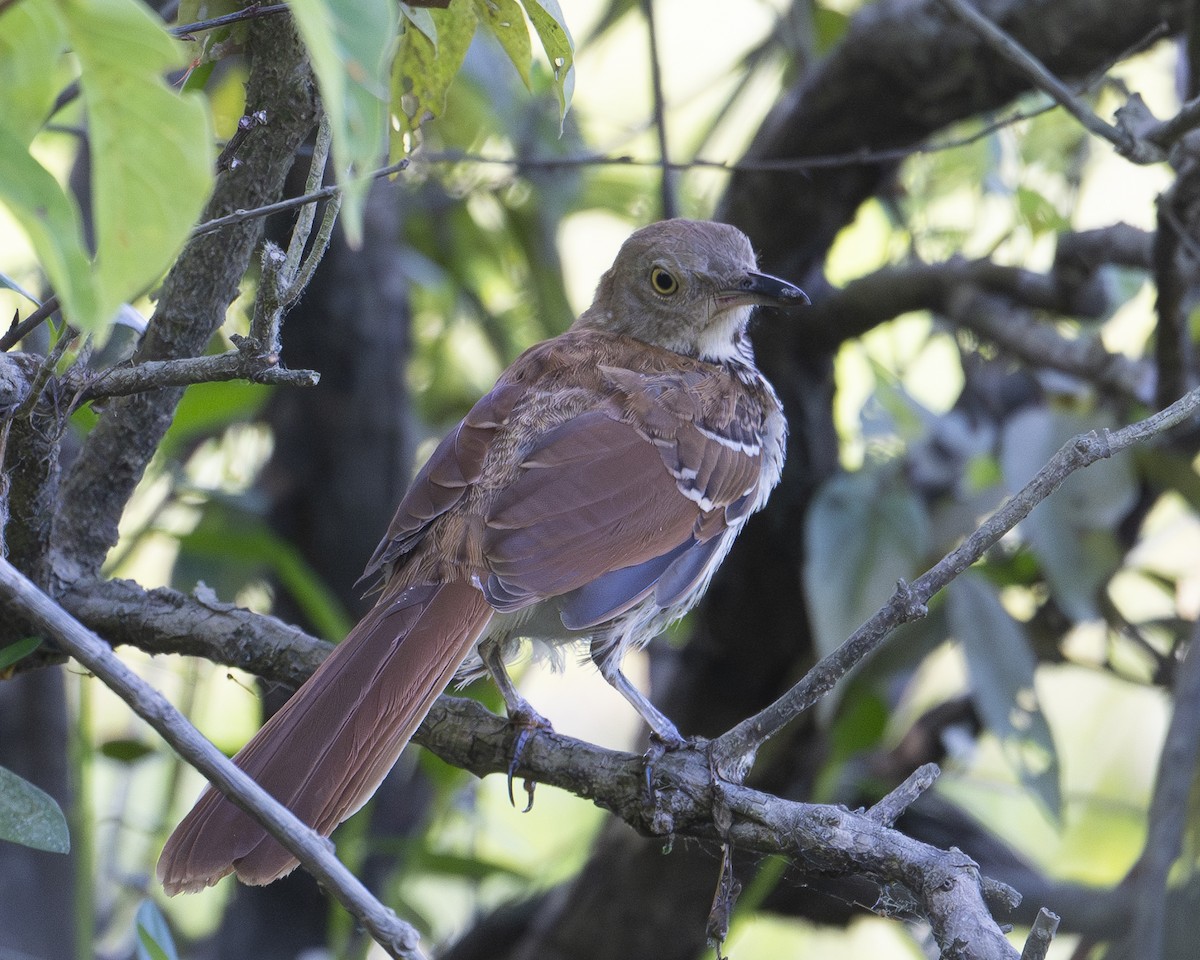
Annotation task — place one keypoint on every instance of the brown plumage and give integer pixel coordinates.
(589, 496)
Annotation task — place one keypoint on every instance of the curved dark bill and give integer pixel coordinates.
(764, 288)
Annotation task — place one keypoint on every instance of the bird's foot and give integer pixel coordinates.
(663, 742)
(528, 722)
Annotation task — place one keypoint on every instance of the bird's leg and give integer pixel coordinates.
(663, 734)
(520, 713)
(660, 727)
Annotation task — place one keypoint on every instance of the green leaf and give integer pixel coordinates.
(226, 532)
(422, 73)
(506, 20)
(8, 283)
(51, 221)
(154, 940)
(349, 42)
(151, 150)
(126, 750)
(865, 531)
(548, 23)
(1002, 664)
(31, 42)
(208, 407)
(15, 652)
(30, 816)
(1039, 212)
(829, 26)
(1071, 531)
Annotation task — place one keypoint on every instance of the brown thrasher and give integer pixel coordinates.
(589, 496)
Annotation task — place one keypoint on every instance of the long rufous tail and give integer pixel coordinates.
(327, 750)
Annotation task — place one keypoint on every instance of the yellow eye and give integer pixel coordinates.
(663, 282)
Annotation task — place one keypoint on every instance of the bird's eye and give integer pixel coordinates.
(663, 281)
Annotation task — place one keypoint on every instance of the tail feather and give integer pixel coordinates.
(327, 750)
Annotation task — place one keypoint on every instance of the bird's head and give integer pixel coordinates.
(688, 286)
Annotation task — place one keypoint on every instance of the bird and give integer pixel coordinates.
(588, 497)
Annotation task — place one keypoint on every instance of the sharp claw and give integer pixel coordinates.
(527, 722)
(518, 748)
(651, 757)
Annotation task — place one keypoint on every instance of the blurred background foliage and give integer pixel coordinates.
(1059, 646)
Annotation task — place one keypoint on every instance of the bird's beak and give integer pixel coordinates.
(762, 288)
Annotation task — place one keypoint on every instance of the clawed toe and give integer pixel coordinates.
(527, 721)
(659, 747)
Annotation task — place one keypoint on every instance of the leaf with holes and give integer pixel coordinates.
(551, 28)
(424, 69)
(506, 20)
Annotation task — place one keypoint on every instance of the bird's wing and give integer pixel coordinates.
(447, 475)
(627, 497)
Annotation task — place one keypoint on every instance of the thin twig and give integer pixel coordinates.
(1037, 944)
(310, 263)
(796, 164)
(21, 595)
(252, 12)
(253, 213)
(19, 331)
(888, 810)
(300, 267)
(241, 364)
(666, 186)
(333, 190)
(734, 751)
(44, 372)
(1007, 47)
(308, 213)
(1171, 130)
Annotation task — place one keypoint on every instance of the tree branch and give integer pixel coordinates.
(1168, 817)
(1129, 146)
(394, 935)
(734, 751)
(992, 300)
(195, 295)
(247, 362)
(1039, 345)
(687, 801)
(252, 12)
(167, 621)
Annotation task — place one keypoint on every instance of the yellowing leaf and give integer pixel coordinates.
(422, 73)
(547, 19)
(506, 20)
